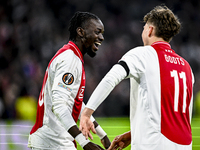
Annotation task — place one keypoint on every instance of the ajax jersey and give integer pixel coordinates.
(176, 95)
(161, 85)
(161, 98)
(60, 101)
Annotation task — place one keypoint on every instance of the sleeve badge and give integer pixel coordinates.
(68, 78)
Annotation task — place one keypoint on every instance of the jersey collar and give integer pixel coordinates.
(76, 50)
(163, 43)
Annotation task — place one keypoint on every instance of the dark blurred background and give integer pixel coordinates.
(31, 31)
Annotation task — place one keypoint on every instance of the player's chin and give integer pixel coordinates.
(91, 53)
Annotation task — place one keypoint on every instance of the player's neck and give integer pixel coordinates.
(155, 39)
(79, 45)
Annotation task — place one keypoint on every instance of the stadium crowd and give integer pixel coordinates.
(31, 31)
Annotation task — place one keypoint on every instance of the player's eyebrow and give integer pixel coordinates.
(101, 30)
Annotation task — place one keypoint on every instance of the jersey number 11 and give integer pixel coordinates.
(176, 77)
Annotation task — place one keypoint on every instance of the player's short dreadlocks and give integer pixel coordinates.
(78, 20)
(166, 23)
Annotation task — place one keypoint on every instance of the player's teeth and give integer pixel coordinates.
(97, 43)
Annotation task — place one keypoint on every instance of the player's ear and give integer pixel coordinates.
(151, 31)
(80, 31)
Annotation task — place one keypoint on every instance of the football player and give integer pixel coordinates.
(61, 98)
(161, 91)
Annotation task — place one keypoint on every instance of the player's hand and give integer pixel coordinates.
(86, 125)
(92, 146)
(120, 141)
(106, 142)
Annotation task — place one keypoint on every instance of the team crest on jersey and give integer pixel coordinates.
(68, 78)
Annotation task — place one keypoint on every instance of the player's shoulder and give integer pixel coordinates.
(67, 55)
(65, 58)
(139, 50)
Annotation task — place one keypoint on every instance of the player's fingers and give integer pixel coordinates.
(84, 133)
(90, 136)
(82, 128)
(118, 138)
(112, 148)
(121, 145)
(93, 129)
(115, 144)
(115, 147)
(112, 145)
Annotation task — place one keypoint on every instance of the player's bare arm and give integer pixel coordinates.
(102, 135)
(121, 141)
(86, 124)
(85, 144)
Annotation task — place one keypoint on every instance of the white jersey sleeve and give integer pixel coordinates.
(63, 98)
(60, 100)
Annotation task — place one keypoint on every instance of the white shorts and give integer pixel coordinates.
(45, 139)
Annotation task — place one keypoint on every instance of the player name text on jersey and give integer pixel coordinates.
(174, 60)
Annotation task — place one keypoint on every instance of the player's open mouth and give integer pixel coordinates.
(96, 45)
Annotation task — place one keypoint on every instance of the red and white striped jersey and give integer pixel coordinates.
(60, 101)
(160, 97)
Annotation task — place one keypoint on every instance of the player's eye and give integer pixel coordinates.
(97, 32)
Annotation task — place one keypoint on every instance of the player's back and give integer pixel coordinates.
(176, 96)
(161, 99)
